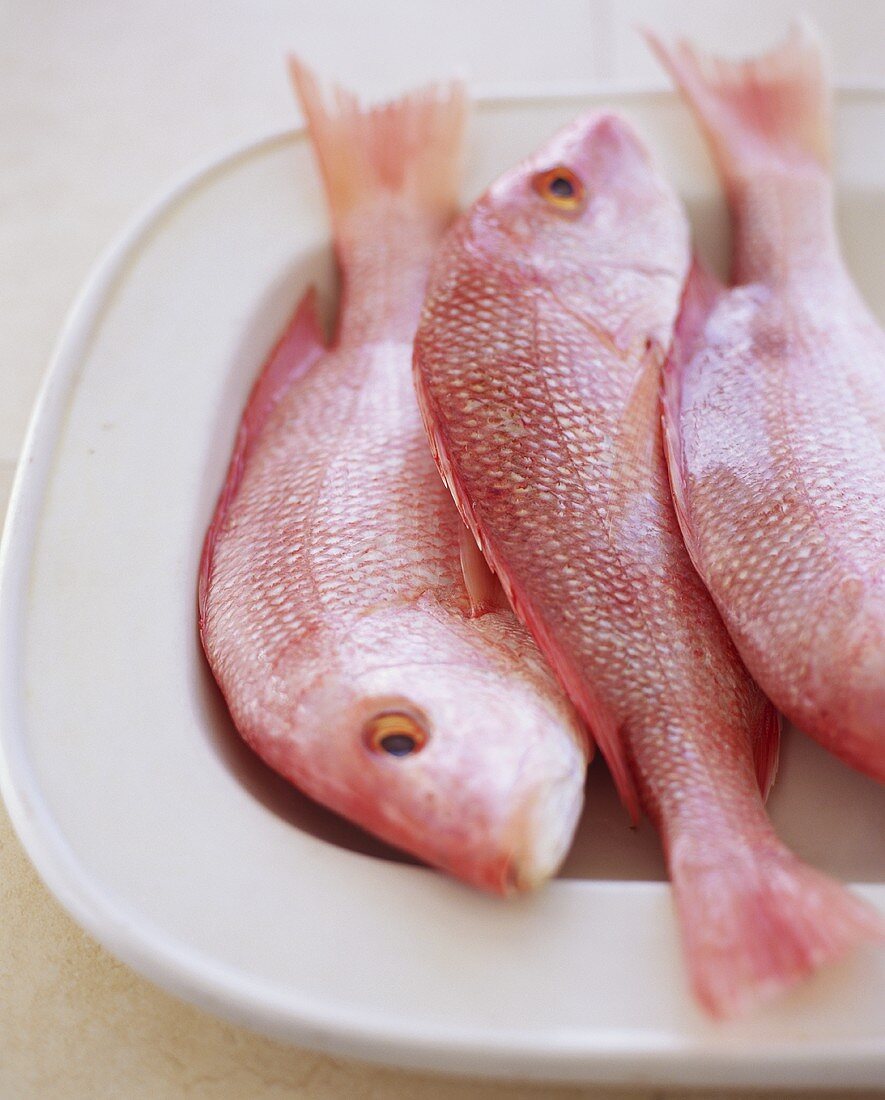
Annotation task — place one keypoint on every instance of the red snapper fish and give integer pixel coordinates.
(775, 407)
(333, 610)
(550, 308)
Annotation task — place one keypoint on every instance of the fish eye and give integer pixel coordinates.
(395, 734)
(560, 187)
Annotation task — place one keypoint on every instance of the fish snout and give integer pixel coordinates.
(541, 832)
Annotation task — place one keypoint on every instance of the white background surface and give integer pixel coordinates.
(100, 104)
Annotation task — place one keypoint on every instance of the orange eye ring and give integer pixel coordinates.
(561, 188)
(394, 733)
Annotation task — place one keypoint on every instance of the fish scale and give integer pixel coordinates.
(559, 313)
(776, 407)
(334, 611)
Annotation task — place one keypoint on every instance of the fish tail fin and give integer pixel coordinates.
(773, 110)
(409, 147)
(754, 922)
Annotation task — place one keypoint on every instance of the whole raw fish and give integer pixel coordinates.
(550, 307)
(332, 604)
(776, 408)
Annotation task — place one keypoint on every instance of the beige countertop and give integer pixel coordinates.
(100, 104)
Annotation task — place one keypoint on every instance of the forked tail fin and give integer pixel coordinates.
(410, 147)
(762, 113)
(755, 921)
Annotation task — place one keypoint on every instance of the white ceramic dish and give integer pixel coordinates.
(183, 855)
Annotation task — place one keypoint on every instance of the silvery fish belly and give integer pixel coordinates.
(776, 408)
(550, 309)
(334, 610)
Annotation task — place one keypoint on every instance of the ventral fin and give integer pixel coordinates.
(483, 587)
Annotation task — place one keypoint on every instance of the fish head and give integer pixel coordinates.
(587, 206)
(421, 734)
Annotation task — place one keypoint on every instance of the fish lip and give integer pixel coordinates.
(543, 832)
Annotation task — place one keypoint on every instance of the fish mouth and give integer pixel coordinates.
(543, 833)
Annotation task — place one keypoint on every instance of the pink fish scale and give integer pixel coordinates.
(334, 611)
(537, 363)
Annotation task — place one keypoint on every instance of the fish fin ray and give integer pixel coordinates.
(772, 110)
(756, 921)
(766, 749)
(410, 146)
(483, 587)
(293, 355)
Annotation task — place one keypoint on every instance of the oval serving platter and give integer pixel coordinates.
(172, 845)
